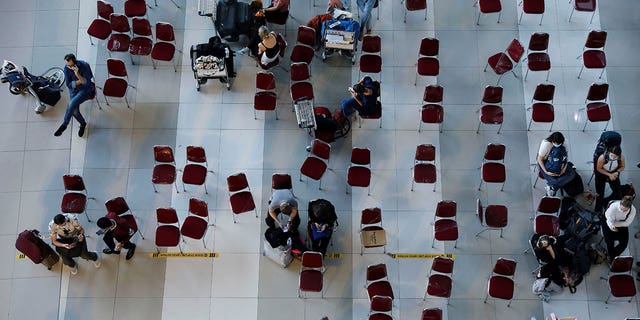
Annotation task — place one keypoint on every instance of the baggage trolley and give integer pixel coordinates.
(341, 36)
(210, 67)
(208, 8)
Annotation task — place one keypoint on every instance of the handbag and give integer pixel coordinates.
(317, 234)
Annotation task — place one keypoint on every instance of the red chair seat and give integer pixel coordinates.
(491, 114)
(370, 63)
(439, 286)
(496, 216)
(501, 287)
(326, 136)
(584, 5)
(73, 202)
(313, 168)
(622, 285)
(380, 316)
(431, 314)
(598, 111)
(547, 224)
(270, 64)
(135, 8)
(242, 202)
(140, 46)
(413, 5)
(539, 61)
(167, 236)
(490, 6)
(194, 227)
(311, 280)
(163, 51)
(194, 174)
(542, 112)
(424, 173)
(380, 288)
(533, 7)
(376, 114)
(265, 100)
(494, 172)
(445, 230)
(100, 29)
(594, 59)
(358, 176)
(432, 113)
(500, 63)
(428, 66)
(301, 90)
(119, 42)
(164, 174)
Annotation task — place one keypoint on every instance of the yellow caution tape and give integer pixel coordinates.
(184, 255)
(21, 256)
(420, 255)
(334, 256)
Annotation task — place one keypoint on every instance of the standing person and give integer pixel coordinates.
(118, 228)
(365, 7)
(67, 235)
(608, 168)
(618, 216)
(553, 162)
(363, 98)
(77, 76)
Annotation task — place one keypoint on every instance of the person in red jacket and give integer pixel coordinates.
(120, 229)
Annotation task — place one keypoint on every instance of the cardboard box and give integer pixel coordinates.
(373, 238)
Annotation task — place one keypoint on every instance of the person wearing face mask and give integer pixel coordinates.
(618, 216)
(608, 168)
(552, 162)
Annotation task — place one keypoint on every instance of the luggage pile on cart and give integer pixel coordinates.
(212, 60)
(340, 36)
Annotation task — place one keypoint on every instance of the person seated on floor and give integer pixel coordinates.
(553, 162)
(549, 279)
(283, 201)
(364, 97)
(322, 223)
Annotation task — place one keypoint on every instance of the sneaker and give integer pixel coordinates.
(244, 50)
(550, 192)
(74, 271)
(60, 130)
(638, 165)
(109, 251)
(81, 130)
(40, 108)
(130, 252)
(97, 263)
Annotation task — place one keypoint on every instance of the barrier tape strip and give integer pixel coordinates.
(420, 255)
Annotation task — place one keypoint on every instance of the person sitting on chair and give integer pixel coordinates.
(608, 168)
(553, 164)
(282, 201)
(363, 98)
(322, 221)
(268, 49)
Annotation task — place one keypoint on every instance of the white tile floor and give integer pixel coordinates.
(115, 158)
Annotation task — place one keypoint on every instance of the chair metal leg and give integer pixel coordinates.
(483, 230)
(478, 130)
(154, 188)
(520, 19)
(571, 15)
(592, 15)
(501, 229)
(412, 183)
(434, 187)
(535, 182)
(585, 125)
(551, 126)
(526, 74)
(405, 14)
(580, 73)
(485, 67)
(529, 127)
(499, 15)
(605, 126)
(480, 185)
(90, 40)
(541, 16)
(433, 242)
(485, 297)
(478, 20)
(548, 72)
(601, 73)
(127, 101)
(499, 128)
(502, 188)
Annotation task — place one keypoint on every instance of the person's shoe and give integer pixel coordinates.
(40, 108)
(550, 192)
(60, 130)
(81, 130)
(74, 271)
(637, 263)
(638, 165)
(97, 263)
(130, 252)
(244, 50)
(109, 251)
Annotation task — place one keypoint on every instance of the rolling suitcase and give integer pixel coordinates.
(30, 243)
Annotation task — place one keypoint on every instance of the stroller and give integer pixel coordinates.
(44, 88)
(330, 126)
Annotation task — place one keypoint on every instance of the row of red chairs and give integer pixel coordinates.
(533, 7)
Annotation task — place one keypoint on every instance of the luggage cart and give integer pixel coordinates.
(341, 36)
(305, 117)
(208, 8)
(210, 67)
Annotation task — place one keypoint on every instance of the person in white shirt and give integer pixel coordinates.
(618, 216)
(564, 174)
(608, 168)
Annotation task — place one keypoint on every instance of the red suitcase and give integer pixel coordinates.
(30, 243)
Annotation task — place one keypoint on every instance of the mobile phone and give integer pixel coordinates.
(351, 90)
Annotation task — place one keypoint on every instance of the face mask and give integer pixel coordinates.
(557, 145)
(613, 158)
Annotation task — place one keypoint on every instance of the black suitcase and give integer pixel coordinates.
(226, 20)
(243, 18)
(575, 186)
(36, 249)
(48, 95)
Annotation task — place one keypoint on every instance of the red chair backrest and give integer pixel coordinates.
(141, 26)
(596, 39)
(237, 182)
(539, 41)
(480, 211)
(265, 81)
(73, 182)
(425, 152)
(306, 35)
(492, 94)
(495, 152)
(105, 9)
(164, 32)
(442, 265)
(515, 50)
(321, 149)
(198, 207)
(163, 154)
(116, 67)
(505, 267)
(371, 44)
(299, 71)
(117, 205)
(621, 264)
(433, 94)
(196, 154)
(598, 91)
(446, 209)
(381, 304)
(283, 44)
(311, 259)
(544, 92)
(429, 47)
(371, 216)
(360, 156)
(166, 215)
(119, 22)
(376, 272)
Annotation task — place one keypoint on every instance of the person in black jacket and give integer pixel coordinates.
(322, 223)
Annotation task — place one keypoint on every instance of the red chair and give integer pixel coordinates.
(195, 225)
(359, 172)
(280, 181)
(317, 162)
(279, 20)
(584, 6)
(165, 47)
(424, 168)
(501, 283)
(196, 168)
(431, 314)
(548, 224)
(415, 5)
(432, 111)
(311, 274)
(135, 8)
(503, 62)
(542, 110)
(532, 7)
(494, 217)
(307, 36)
(120, 29)
(538, 58)
(167, 229)
(301, 90)
(75, 196)
(491, 111)
(597, 106)
(371, 220)
(381, 308)
(371, 59)
(620, 280)
(265, 98)
(100, 26)
(276, 62)
(377, 282)
(302, 53)
(549, 205)
(492, 171)
(439, 284)
(488, 6)
(593, 56)
(117, 82)
(445, 227)
(141, 43)
(240, 196)
(299, 71)
(428, 64)
(120, 207)
(164, 169)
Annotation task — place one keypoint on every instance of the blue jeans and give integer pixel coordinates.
(73, 108)
(558, 182)
(349, 106)
(365, 7)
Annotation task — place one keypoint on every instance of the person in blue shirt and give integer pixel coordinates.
(78, 77)
(363, 99)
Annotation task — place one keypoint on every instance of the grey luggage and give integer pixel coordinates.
(280, 255)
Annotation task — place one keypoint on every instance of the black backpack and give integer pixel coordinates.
(556, 158)
(607, 140)
(583, 223)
